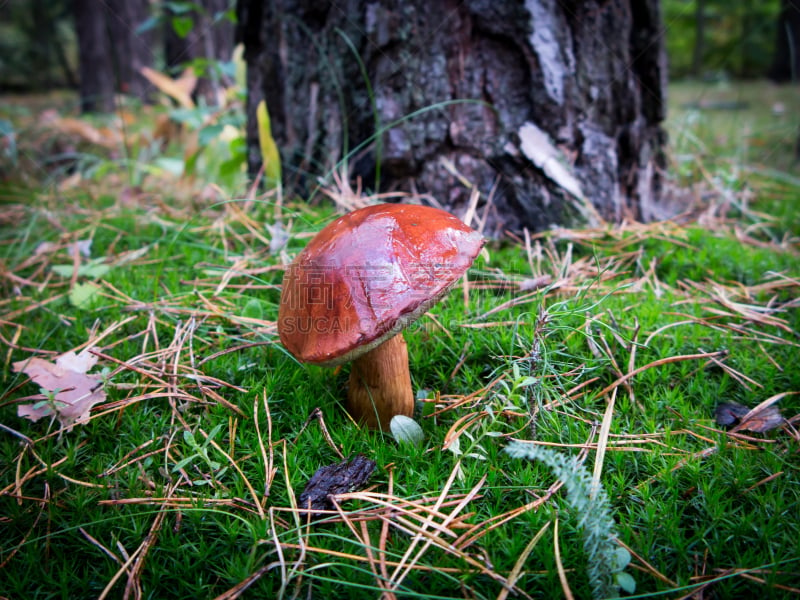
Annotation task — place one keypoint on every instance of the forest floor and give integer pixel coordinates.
(649, 370)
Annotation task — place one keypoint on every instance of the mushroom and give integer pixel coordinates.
(359, 282)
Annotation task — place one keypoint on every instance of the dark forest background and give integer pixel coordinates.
(705, 39)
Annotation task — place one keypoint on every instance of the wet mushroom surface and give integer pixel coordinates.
(358, 283)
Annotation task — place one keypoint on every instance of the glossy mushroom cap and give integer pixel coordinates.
(367, 275)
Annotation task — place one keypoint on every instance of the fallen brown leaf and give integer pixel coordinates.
(72, 390)
(103, 136)
(733, 413)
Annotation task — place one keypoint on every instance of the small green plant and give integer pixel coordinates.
(607, 561)
(200, 451)
(220, 154)
(50, 403)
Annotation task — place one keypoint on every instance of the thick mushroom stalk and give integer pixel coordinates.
(380, 385)
(359, 282)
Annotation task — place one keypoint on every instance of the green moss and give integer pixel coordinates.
(683, 494)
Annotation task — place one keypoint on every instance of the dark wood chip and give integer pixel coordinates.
(340, 478)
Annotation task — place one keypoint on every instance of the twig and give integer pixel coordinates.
(658, 363)
(269, 459)
(647, 566)
(562, 575)
(316, 414)
(28, 441)
(248, 485)
(102, 548)
(134, 565)
(602, 442)
(516, 571)
(239, 588)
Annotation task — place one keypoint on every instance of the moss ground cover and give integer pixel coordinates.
(613, 346)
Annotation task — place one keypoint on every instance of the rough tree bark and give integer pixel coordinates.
(590, 74)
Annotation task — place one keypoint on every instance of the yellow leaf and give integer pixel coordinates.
(179, 89)
(269, 151)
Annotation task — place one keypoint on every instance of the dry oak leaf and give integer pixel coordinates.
(76, 391)
(759, 420)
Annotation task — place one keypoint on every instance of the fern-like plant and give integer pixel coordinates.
(606, 560)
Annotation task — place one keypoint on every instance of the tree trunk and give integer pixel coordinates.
(94, 57)
(111, 51)
(786, 62)
(131, 48)
(451, 86)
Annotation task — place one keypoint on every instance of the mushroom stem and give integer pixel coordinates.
(380, 385)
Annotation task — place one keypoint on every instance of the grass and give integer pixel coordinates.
(668, 320)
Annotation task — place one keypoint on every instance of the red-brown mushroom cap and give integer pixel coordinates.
(367, 275)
